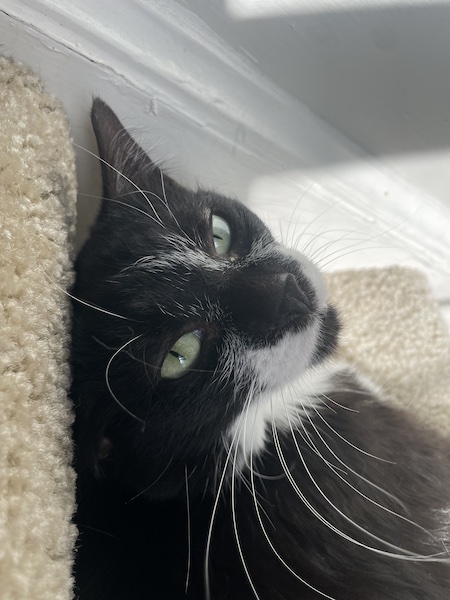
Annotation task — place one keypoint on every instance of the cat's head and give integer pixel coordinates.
(202, 316)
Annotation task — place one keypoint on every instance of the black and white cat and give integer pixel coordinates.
(222, 452)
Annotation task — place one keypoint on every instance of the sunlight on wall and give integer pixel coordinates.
(259, 9)
(333, 214)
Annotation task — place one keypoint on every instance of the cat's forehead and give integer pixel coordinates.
(177, 234)
(180, 209)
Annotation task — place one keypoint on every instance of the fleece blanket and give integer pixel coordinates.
(392, 331)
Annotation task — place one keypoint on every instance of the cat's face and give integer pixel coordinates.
(203, 317)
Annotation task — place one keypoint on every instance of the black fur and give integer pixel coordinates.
(134, 449)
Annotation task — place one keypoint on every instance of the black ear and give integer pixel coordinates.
(125, 165)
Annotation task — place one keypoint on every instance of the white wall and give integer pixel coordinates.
(377, 70)
(231, 103)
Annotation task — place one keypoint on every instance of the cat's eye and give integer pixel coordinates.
(182, 356)
(221, 235)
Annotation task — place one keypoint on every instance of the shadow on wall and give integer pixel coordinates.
(380, 75)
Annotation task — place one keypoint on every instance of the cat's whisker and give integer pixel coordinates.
(83, 526)
(295, 209)
(84, 302)
(321, 252)
(402, 553)
(308, 247)
(130, 181)
(334, 467)
(335, 403)
(146, 214)
(108, 385)
(249, 402)
(93, 196)
(166, 204)
(344, 439)
(117, 201)
(356, 391)
(188, 516)
(233, 512)
(310, 443)
(153, 483)
(266, 535)
(325, 260)
(136, 208)
(219, 489)
(285, 239)
(342, 253)
(361, 477)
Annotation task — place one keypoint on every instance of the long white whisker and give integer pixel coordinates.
(309, 442)
(374, 485)
(264, 530)
(160, 476)
(297, 204)
(339, 405)
(406, 555)
(166, 204)
(137, 188)
(248, 403)
(108, 366)
(311, 222)
(84, 302)
(116, 201)
(233, 513)
(329, 243)
(136, 208)
(188, 510)
(214, 512)
(324, 265)
(344, 439)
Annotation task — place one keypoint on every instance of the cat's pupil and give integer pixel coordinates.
(182, 356)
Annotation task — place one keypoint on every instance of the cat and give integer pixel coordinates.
(222, 451)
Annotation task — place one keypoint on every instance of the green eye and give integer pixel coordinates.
(182, 355)
(221, 235)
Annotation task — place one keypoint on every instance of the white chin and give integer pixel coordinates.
(277, 365)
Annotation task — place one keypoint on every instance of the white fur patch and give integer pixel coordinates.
(191, 259)
(282, 407)
(279, 364)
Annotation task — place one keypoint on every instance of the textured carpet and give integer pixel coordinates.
(394, 333)
(37, 216)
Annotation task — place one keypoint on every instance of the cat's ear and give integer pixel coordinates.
(126, 167)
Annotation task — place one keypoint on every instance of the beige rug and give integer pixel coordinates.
(37, 216)
(393, 332)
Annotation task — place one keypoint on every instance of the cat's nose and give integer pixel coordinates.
(294, 300)
(263, 302)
